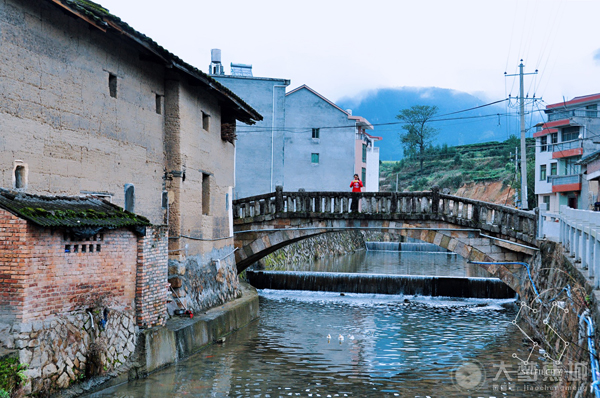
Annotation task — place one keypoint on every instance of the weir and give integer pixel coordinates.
(405, 246)
(436, 286)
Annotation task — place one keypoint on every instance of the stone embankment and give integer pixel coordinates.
(72, 347)
(294, 256)
(161, 346)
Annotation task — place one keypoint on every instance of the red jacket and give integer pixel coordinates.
(356, 185)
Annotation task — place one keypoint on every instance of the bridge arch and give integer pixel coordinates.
(450, 222)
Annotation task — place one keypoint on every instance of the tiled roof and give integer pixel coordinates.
(102, 19)
(69, 211)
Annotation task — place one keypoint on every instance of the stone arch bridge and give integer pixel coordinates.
(478, 231)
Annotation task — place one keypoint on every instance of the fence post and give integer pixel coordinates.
(278, 199)
(435, 199)
(541, 215)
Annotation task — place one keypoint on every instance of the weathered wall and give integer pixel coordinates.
(71, 346)
(151, 278)
(15, 274)
(564, 294)
(201, 282)
(296, 255)
(51, 287)
(50, 273)
(58, 117)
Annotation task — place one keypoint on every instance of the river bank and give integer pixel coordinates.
(160, 347)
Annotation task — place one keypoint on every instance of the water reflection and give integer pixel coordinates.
(395, 263)
(391, 347)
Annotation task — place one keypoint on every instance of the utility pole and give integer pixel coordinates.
(523, 150)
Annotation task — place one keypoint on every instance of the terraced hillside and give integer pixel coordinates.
(479, 171)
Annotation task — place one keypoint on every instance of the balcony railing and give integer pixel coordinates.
(567, 114)
(564, 180)
(563, 146)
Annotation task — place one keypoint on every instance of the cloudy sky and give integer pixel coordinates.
(343, 48)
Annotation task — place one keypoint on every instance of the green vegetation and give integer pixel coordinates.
(418, 135)
(11, 376)
(452, 167)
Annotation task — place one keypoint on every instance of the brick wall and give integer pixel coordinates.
(151, 282)
(15, 273)
(45, 272)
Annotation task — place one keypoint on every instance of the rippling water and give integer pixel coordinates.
(393, 346)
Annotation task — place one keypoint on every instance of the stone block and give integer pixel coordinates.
(176, 282)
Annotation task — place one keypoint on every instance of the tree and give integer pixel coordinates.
(418, 135)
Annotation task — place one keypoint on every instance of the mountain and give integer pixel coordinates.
(480, 125)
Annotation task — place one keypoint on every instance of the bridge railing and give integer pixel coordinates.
(462, 211)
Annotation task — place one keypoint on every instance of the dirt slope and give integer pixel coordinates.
(494, 192)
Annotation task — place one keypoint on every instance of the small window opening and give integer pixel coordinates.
(67, 248)
(91, 248)
(75, 248)
(112, 85)
(314, 158)
(20, 177)
(98, 248)
(129, 197)
(205, 121)
(316, 133)
(205, 194)
(83, 247)
(159, 104)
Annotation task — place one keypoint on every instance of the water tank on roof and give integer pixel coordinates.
(215, 55)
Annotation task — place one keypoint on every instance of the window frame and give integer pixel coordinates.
(314, 156)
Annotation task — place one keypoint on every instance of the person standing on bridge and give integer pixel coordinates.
(356, 186)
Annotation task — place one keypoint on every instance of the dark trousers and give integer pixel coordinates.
(354, 203)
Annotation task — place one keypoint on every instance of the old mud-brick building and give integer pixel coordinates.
(91, 107)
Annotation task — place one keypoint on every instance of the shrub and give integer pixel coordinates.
(11, 375)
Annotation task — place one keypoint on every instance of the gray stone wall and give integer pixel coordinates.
(71, 347)
(294, 256)
(204, 281)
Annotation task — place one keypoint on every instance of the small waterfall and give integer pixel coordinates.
(446, 286)
(405, 247)
(383, 246)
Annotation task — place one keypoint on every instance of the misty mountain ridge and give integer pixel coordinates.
(380, 107)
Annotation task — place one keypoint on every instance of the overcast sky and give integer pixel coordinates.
(342, 48)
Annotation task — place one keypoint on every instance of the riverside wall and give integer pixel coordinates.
(553, 320)
(294, 256)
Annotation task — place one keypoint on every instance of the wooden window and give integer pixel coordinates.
(316, 133)
(314, 158)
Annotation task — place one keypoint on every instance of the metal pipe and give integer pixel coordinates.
(273, 133)
(593, 355)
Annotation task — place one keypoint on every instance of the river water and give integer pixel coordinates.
(393, 346)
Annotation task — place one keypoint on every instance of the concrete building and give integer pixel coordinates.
(90, 106)
(305, 141)
(571, 133)
(325, 145)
